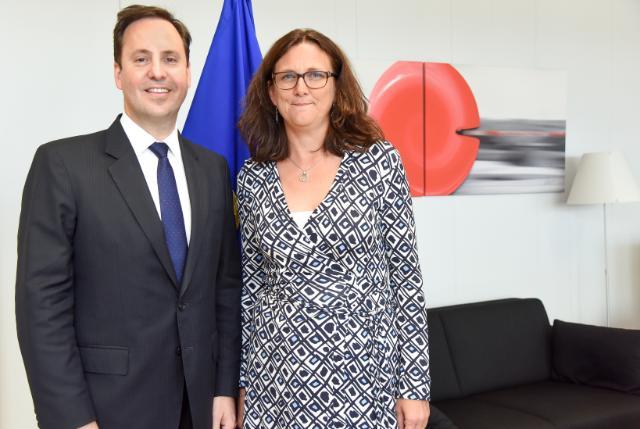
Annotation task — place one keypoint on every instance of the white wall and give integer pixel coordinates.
(57, 81)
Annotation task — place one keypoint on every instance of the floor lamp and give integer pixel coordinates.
(603, 178)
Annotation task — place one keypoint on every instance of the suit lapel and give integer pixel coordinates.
(129, 179)
(198, 195)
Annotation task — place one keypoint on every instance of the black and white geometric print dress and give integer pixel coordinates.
(334, 319)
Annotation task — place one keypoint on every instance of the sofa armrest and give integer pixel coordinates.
(596, 356)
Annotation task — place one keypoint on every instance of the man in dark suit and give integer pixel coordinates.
(128, 281)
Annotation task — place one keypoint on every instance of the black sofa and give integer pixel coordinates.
(499, 364)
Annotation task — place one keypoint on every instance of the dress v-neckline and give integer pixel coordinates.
(282, 197)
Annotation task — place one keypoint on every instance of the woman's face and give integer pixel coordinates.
(303, 108)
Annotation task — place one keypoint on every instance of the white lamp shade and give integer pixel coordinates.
(602, 178)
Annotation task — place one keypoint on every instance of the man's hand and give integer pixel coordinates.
(224, 412)
(412, 414)
(240, 408)
(92, 425)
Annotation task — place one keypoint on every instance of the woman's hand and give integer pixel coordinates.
(240, 408)
(412, 414)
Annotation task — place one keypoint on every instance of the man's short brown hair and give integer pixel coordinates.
(135, 12)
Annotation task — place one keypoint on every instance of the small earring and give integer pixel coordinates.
(276, 115)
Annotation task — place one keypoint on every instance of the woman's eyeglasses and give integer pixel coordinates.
(314, 79)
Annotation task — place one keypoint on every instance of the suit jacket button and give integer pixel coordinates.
(178, 351)
(182, 306)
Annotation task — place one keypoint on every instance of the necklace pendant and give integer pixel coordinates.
(303, 177)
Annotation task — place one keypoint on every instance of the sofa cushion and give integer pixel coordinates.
(491, 345)
(597, 356)
(438, 420)
(471, 413)
(567, 405)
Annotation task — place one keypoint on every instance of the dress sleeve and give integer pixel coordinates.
(227, 291)
(252, 268)
(399, 231)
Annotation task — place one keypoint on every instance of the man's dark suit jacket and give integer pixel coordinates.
(105, 330)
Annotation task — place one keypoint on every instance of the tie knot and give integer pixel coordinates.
(160, 149)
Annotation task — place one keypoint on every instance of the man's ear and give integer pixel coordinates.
(116, 75)
(189, 74)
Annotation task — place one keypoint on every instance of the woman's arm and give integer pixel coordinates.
(398, 224)
(252, 280)
(405, 280)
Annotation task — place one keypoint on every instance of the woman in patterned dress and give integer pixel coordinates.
(334, 321)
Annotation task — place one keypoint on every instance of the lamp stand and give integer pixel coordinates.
(606, 265)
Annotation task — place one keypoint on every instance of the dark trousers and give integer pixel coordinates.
(185, 416)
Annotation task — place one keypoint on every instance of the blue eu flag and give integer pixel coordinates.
(233, 57)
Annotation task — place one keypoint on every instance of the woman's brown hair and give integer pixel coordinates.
(350, 128)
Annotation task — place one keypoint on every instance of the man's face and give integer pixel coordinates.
(155, 74)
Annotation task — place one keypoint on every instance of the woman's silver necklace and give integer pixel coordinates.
(304, 172)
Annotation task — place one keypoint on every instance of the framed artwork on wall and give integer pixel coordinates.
(474, 129)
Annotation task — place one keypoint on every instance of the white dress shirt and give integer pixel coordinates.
(141, 140)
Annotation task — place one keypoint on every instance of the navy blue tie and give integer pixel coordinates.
(171, 210)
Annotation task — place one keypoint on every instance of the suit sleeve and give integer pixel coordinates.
(45, 296)
(405, 278)
(228, 288)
